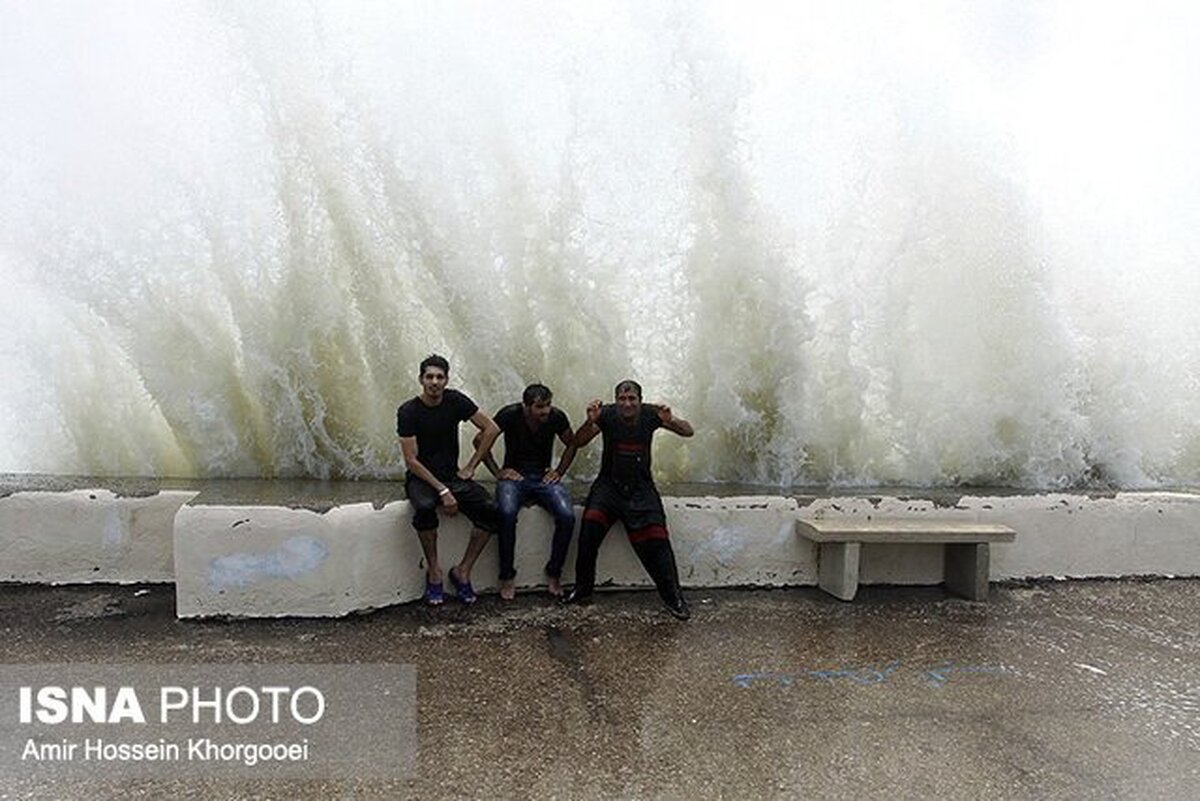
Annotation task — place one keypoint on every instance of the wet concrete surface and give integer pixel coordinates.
(321, 496)
(1087, 689)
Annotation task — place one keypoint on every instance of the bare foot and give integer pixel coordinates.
(554, 586)
(507, 591)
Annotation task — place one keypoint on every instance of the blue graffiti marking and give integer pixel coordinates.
(744, 680)
(938, 675)
(858, 675)
(935, 675)
(295, 557)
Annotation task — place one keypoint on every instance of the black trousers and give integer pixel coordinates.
(473, 501)
(645, 523)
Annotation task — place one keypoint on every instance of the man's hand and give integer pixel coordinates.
(449, 502)
(551, 477)
(508, 474)
(467, 473)
(593, 411)
(672, 423)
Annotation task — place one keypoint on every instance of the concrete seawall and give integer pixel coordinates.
(268, 561)
(88, 535)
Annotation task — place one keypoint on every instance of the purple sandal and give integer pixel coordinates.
(434, 594)
(466, 593)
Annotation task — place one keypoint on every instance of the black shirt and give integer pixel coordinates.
(626, 458)
(528, 451)
(436, 430)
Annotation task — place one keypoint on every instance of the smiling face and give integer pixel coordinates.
(433, 384)
(629, 403)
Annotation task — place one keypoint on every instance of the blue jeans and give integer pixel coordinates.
(554, 498)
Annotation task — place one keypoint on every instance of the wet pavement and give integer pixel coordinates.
(321, 496)
(1087, 689)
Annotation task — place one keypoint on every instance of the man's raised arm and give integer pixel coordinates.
(672, 423)
(590, 428)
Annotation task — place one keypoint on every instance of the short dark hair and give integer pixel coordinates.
(536, 393)
(626, 385)
(434, 360)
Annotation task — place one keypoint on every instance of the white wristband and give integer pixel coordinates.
(444, 491)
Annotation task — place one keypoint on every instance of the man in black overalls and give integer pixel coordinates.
(624, 491)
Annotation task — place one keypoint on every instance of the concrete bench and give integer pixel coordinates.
(840, 542)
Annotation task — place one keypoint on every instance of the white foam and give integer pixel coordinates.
(868, 244)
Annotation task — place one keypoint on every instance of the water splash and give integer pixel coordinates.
(865, 245)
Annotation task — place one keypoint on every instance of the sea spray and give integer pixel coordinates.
(867, 245)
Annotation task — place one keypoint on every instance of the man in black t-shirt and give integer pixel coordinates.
(624, 491)
(428, 429)
(529, 429)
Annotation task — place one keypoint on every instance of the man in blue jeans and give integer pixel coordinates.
(529, 429)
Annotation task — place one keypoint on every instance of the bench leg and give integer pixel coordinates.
(837, 569)
(966, 570)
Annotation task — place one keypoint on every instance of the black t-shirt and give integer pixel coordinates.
(529, 451)
(436, 430)
(626, 458)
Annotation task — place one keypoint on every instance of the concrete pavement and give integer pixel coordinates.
(1087, 689)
